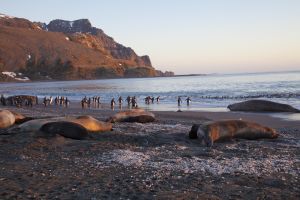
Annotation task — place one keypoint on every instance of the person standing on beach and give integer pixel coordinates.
(179, 101)
(45, 101)
(147, 100)
(30, 102)
(83, 103)
(188, 100)
(128, 99)
(134, 103)
(112, 103)
(157, 99)
(98, 102)
(2, 100)
(56, 101)
(152, 100)
(50, 100)
(67, 102)
(36, 100)
(89, 101)
(120, 100)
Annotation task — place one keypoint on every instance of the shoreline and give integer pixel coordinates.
(276, 120)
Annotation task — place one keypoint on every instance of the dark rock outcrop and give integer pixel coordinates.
(261, 106)
(21, 99)
(164, 74)
(77, 26)
(82, 27)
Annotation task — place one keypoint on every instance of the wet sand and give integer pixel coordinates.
(150, 161)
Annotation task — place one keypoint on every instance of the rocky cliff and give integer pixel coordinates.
(65, 50)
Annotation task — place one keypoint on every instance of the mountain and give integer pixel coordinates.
(65, 50)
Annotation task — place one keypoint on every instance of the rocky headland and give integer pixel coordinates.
(65, 50)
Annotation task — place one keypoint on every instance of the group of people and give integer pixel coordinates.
(188, 101)
(131, 102)
(59, 100)
(85, 102)
(149, 99)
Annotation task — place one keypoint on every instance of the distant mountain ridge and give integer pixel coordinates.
(66, 50)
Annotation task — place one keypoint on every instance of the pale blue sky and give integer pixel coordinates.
(188, 36)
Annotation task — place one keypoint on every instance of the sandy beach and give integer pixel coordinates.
(149, 161)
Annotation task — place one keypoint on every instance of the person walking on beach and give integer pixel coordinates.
(157, 99)
(179, 101)
(2, 100)
(56, 101)
(89, 101)
(30, 102)
(50, 100)
(112, 103)
(45, 101)
(84, 102)
(134, 103)
(188, 100)
(36, 100)
(147, 100)
(128, 99)
(120, 100)
(67, 102)
(98, 102)
(61, 100)
(152, 100)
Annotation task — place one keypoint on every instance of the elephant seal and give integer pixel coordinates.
(91, 124)
(19, 118)
(262, 106)
(135, 115)
(223, 130)
(88, 122)
(36, 124)
(66, 129)
(7, 119)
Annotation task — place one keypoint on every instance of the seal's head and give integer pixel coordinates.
(273, 132)
(193, 131)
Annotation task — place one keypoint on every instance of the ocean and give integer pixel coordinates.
(208, 92)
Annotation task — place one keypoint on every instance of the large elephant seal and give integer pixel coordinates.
(66, 129)
(261, 106)
(223, 130)
(91, 124)
(36, 124)
(134, 115)
(7, 119)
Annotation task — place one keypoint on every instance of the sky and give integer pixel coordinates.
(188, 36)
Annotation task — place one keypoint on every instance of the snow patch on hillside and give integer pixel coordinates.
(10, 74)
(15, 76)
(6, 16)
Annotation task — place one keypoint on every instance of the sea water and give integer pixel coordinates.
(208, 92)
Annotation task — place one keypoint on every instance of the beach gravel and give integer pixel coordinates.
(147, 161)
